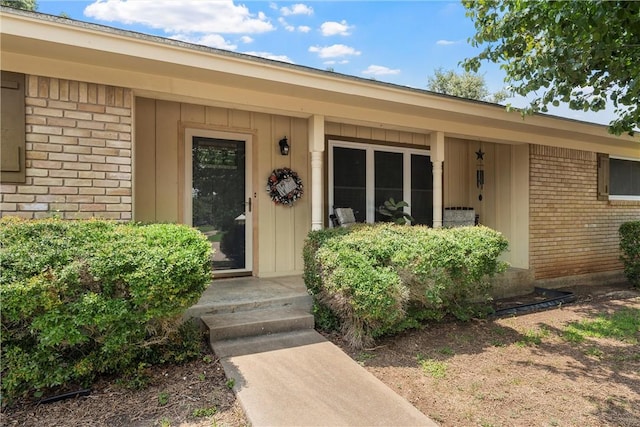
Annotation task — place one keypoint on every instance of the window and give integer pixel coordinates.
(363, 176)
(618, 178)
(12, 121)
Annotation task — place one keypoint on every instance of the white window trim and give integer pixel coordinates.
(620, 197)
(370, 179)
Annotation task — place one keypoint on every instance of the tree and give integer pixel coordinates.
(466, 85)
(20, 4)
(578, 52)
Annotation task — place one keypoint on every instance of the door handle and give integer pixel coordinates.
(249, 203)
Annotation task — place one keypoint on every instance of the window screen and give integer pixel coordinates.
(624, 177)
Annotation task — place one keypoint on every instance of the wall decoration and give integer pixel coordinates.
(284, 186)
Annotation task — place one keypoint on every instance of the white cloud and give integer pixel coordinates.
(268, 55)
(211, 40)
(246, 39)
(379, 70)
(182, 17)
(333, 51)
(286, 25)
(304, 29)
(297, 9)
(332, 28)
(447, 42)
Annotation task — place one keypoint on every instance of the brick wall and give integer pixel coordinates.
(572, 233)
(78, 152)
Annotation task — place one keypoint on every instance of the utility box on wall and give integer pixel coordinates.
(459, 217)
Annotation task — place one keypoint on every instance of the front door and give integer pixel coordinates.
(220, 197)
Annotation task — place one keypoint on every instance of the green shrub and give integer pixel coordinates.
(373, 280)
(630, 247)
(82, 298)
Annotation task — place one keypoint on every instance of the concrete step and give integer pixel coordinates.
(293, 300)
(248, 323)
(264, 343)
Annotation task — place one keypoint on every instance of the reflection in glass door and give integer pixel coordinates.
(218, 199)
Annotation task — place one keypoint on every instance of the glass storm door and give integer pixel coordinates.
(221, 201)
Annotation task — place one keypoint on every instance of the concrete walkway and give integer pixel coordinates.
(301, 379)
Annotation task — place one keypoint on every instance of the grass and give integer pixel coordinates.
(532, 337)
(433, 368)
(623, 325)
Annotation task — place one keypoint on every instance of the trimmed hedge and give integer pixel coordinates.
(373, 280)
(82, 298)
(630, 247)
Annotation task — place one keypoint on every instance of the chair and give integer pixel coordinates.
(342, 217)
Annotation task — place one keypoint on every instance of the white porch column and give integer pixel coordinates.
(437, 159)
(316, 148)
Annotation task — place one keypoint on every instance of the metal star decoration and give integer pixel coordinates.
(480, 154)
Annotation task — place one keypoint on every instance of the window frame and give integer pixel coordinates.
(619, 196)
(370, 149)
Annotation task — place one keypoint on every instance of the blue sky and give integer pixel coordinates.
(400, 42)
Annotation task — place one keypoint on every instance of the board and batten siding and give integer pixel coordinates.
(505, 196)
(278, 231)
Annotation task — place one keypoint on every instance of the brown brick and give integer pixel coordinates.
(56, 121)
(19, 198)
(119, 207)
(92, 207)
(78, 166)
(64, 157)
(33, 206)
(93, 108)
(63, 190)
(63, 105)
(46, 164)
(92, 190)
(119, 144)
(119, 191)
(90, 158)
(12, 207)
(105, 151)
(34, 137)
(48, 130)
(83, 133)
(104, 167)
(92, 175)
(36, 155)
(46, 147)
(105, 183)
(119, 160)
(63, 173)
(32, 172)
(64, 140)
(107, 199)
(119, 175)
(47, 181)
(50, 198)
(80, 115)
(64, 207)
(77, 182)
(81, 199)
(88, 124)
(77, 149)
(35, 120)
(106, 118)
(50, 112)
(91, 142)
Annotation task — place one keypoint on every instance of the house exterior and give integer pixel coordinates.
(113, 124)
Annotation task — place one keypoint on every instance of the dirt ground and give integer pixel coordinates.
(517, 371)
(194, 394)
(514, 371)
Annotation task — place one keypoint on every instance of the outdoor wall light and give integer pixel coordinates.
(284, 146)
